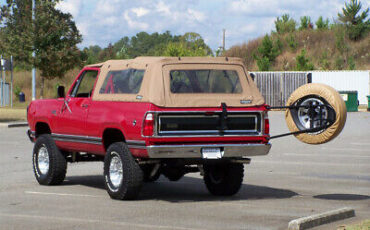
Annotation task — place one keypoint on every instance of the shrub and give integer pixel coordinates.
(263, 64)
(322, 24)
(267, 52)
(303, 63)
(285, 24)
(339, 63)
(324, 61)
(340, 43)
(17, 90)
(292, 43)
(351, 63)
(305, 23)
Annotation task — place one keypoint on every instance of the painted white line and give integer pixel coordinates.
(61, 194)
(282, 162)
(331, 155)
(367, 144)
(89, 220)
(346, 149)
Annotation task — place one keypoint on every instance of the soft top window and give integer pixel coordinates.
(205, 81)
(126, 81)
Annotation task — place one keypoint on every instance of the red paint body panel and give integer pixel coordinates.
(90, 119)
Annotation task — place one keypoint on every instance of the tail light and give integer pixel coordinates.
(148, 126)
(267, 124)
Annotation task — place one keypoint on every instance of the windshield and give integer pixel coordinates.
(205, 81)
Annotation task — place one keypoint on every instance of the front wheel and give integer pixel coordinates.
(49, 164)
(123, 176)
(223, 179)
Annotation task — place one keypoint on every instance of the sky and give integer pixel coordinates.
(106, 21)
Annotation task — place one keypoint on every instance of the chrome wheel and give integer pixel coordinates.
(115, 170)
(304, 113)
(43, 160)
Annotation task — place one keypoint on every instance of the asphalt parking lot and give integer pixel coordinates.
(293, 181)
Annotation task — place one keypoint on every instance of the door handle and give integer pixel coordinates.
(85, 105)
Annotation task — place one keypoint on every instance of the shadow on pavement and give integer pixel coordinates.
(188, 189)
(342, 197)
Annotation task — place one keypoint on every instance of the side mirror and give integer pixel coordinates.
(61, 92)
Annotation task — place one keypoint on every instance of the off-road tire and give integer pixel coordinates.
(132, 175)
(223, 179)
(329, 96)
(57, 162)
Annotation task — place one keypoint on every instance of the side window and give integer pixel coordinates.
(85, 84)
(126, 81)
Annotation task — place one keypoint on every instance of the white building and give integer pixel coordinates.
(345, 81)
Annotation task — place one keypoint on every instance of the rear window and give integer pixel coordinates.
(126, 81)
(205, 81)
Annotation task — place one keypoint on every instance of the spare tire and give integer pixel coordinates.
(316, 94)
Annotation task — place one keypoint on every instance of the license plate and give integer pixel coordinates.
(211, 153)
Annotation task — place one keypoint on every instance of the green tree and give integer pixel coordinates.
(53, 35)
(305, 23)
(92, 53)
(322, 24)
(196, 44)
(303, 63)
(107, 53)
(177, 49)
(17, 31)
(285, 24)
(292, 43)
(356, 22)
(267, 52)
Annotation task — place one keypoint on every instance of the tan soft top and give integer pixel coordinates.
(155, 87)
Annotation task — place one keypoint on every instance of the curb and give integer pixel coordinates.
(322, 218)
(14, 125)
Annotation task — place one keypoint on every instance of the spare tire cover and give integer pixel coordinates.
(322, 94)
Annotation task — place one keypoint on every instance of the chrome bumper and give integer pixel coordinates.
(195, 151)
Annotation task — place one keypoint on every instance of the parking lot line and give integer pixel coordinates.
(61, 194)
(88, 220)
(336, 155)
(355, 143)
(345, 149)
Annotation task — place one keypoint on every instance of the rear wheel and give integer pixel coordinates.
(123, 176)
(223, 179)
(49, 164)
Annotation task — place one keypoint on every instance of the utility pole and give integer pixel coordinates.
(1, 82)
(33, 54)
(223, 40)
(3, 64)
(11, 81)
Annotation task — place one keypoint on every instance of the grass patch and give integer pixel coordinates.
(15, 114)
(365, 225)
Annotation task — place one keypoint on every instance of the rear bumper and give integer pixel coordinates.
(195, 151)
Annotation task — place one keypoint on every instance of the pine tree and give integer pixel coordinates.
(322, 24)
(285, 24)
(357, 25)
